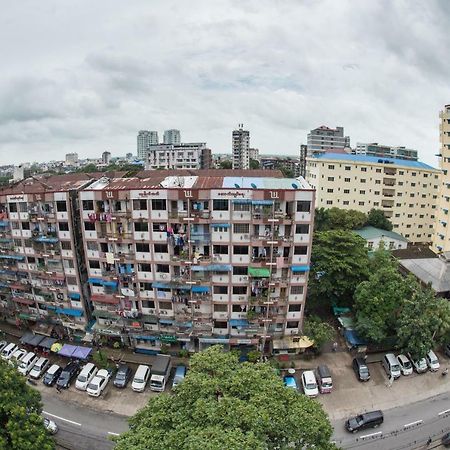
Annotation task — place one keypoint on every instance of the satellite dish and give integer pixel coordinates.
(236, 186)
(253, 185)
(295, 186)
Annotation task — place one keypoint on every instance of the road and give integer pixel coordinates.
(405, 427)
(81, 428)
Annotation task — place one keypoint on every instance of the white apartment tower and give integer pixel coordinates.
(241, 144)
(144, 139)
(172, 137)
(324, 139)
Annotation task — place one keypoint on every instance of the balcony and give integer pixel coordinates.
(389, 182)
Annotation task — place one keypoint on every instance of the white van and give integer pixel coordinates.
(432, 361)
(8, 351)
(309, 384)
(391, 365)
(27, 363)
(140, 378)
(84, 378)
(39, 368)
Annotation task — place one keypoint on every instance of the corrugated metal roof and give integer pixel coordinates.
(374, 233)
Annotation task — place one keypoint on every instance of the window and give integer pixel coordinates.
(143, 248)
(94, 264)
(330, 167)
(219, 229)
(301, 228)
(221, 325)
(295, 308)
(330, 191)
(220, 308)
(300, 250)
(89, 226)
(362, 192)
(158, 226)
(145, 286)
(347, 180)
(330, 178)
(66, 245)
(92, 245)
(363, 169)
(241, 207)
(240, 290)
(377, 181)
(240, 249)
(220, 249)
(63, 226)
(363, 180)
(296, 290)
(377, 193)
(13, 207)
(25, 225)
(345, 202)
(88, 205)
(241, 228)
(329, 202)
(220, 205)
(303, 206)
(378, 170)
(161, 248)
(140, 205)
(223, 290)
(61, 206)
(162, 268)
(144, 267)
(240, 270)
(148, 303)
(346, 191)
(141, 226)
(292, 325)
(361, 203)
(159, 205)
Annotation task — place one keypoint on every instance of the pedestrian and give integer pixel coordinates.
(429, 441)
(335, 346)
(58, 389)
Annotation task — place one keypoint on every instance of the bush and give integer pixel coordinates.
(253, 356)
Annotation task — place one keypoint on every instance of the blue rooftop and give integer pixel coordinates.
(373, 159)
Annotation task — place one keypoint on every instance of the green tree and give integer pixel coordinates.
(222, 404)
(101, 359)
(254, 164)
(377, 219)
(287, 173)
(321, 219)
(318, 331)
(339, 262)
(227, 164)
(21, 425)
(339, 219)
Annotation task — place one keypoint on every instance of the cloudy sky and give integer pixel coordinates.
(86, 75)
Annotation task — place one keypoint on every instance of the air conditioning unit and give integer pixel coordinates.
(244, 278)
(163, 312)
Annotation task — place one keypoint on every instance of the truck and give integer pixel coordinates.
(160, 373)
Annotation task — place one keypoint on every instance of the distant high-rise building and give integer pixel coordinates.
(18, 173)
(106, 157)
(172, 137)
(302, 160)
(323, 139)
(385, 151)
(71, 159)
(145, 138)
(192, 155)
(241, 144)
(253, 153)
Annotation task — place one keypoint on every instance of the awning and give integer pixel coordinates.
(261, 272)
(238, 323)
(347, 322)
(47, 342)
(221, 225)
(95, 280)
(220, 267)
(201, 289)
(161, 285)
(110, 284)
(262, 202)
(37, 339)
(69, 312)
(27, 338)
(74, 296)
(199, 268)
(82, 352)
(353, 339)
(213, 340)
(146, 338)
(297, 269)
(17, 258)
(166, 321)
(241, 201)
(292, 342)
(47, 240)
(67, 350)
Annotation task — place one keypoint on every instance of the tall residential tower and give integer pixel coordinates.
(241, 144)
(144, 139)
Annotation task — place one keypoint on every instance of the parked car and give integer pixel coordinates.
(17, 357)
(370, 419)
(447, 349)
(8, 351)
(98, 383)
(123, 376)
(290, 382)
(86, 375)
(68, 375)
(324, 379)
(420, 366)
(140, 378)
(361, 370)
(40, 366)
(432, 361)
(27, 363)
(391, 365)
(405, 365)
(50, 426)
(309, 384)
(52, 375)
(180, 373)
(446, 440)
(3, 344)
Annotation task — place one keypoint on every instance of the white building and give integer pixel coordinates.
(145, 138)
(385, 151)
(376, 237)
(71, 159)
(241, 144)
(106, 157)
(181, 156)
(323, 139)
(172, 137)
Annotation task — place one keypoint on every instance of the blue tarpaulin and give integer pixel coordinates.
(199, 268)
(110, 284)
(238, 322)
(221, 225)
(47, 240)
(242, 201)
(353, 339)
(16, 257)
(95, 280)
(146, 338)
(296, 269)
(69, 312)
(262, 202)
(201, 289)
(4, 223)
(166, 321)
(219, 267)
(74, 296)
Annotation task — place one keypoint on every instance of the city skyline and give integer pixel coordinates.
(281, 69)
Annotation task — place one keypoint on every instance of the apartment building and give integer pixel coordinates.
(197, 259)
(385, 151)
(285, 163)
(41, 277)
(240, 148)
(172, 137)
(323, 139)
(145, 138)
(441, 238)
(405, 190)
(179, 156)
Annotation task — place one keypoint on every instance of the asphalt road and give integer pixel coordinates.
(406, 427)
(81, 428)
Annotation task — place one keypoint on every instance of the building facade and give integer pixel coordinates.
(145, 138)
(106, 158)
(181, 156)
(194, 260)
(71, 159)
(284, 163)
(172, 137)
(323, 139)
(441, 238)
(385, 151)
(240, 146)
(253, 153)
(406, 191)
(42, 282)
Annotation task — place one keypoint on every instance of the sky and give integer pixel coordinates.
(83, 76)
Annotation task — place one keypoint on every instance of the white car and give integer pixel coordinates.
(98, 383)
(3, 344)
(8, 351)
(39, 368)
(432, 361)
(420, 366)
(405, 365)
(17, 356)
(50, 426)
(87, 373)
(309, 384)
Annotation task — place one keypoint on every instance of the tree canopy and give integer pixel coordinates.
(318, 331)
(21, 425)
(339, 262)
(223, 404)
(339, 219)
(377, 219)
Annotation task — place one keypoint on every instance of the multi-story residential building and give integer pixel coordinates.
(145, 138)
(253, 153)
(181, 156)
(106, 158)
(172, 137)
(324, 139)
(406, 191)
(41, 268)
(199, 258)
(284, 163)
(441, 238)
(241, 144)
(385, 151)
(71, 159)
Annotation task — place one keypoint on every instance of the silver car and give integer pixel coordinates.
(405, 365)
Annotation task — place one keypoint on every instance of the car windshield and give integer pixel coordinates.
(311, 386)
(64, 376)
(359, 420)
(406, 364)
(395, 368)
(23, 365)
(138, 380)
(120, 376)
(93, 386)
(364, 370)
(82, 378)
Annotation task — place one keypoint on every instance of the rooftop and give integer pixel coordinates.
(373, 160)
(369, 232)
